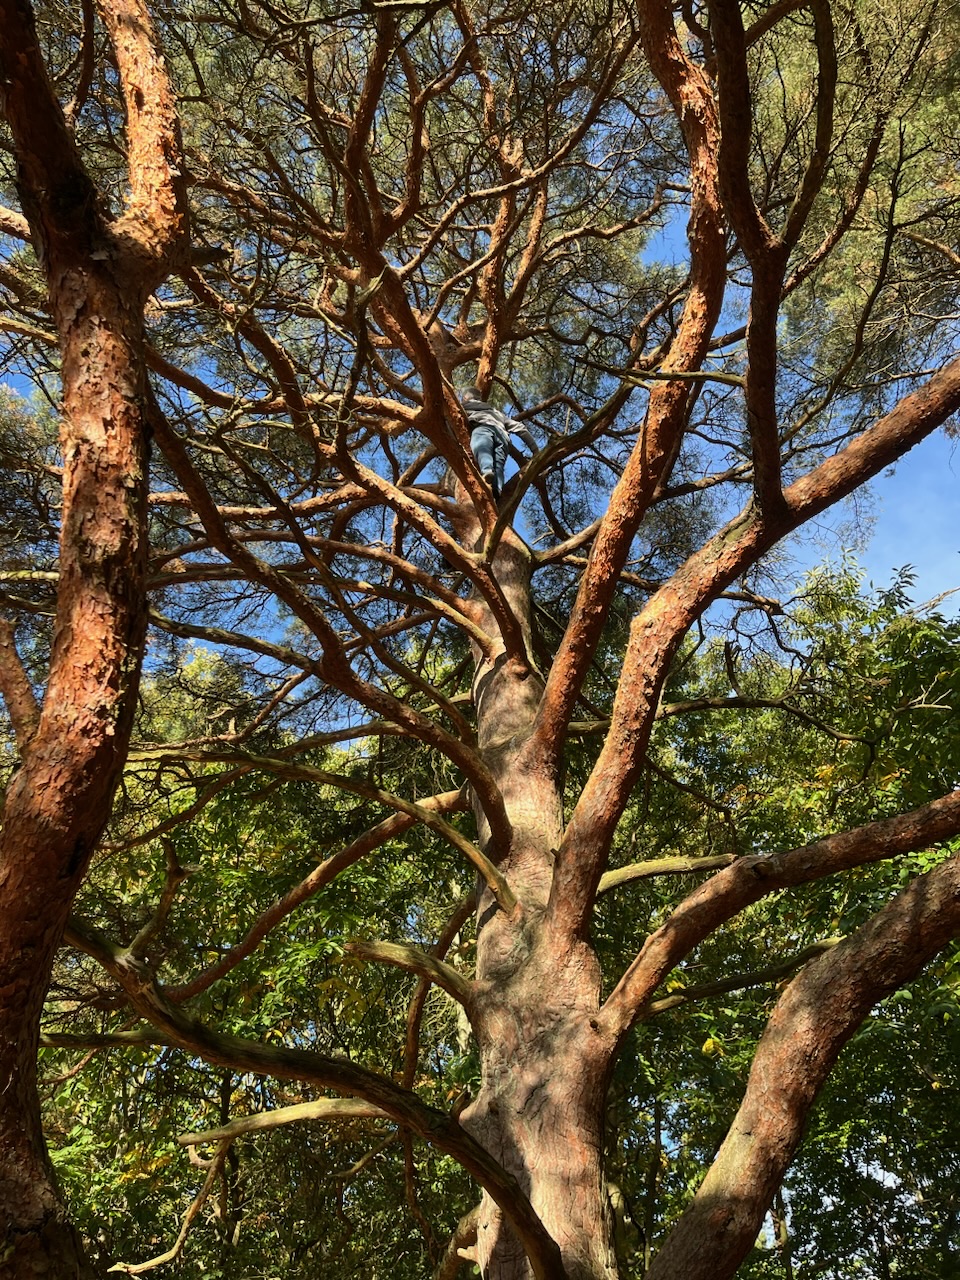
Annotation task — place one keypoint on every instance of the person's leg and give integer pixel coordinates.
(483, 442)
(499, 463)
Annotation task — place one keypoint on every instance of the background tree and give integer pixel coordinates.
(429, 746)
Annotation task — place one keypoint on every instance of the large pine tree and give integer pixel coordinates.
(388, 203)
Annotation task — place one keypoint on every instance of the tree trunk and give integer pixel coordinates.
(540, 1108)
(99, 274)
(59, 801)
(37, 1241)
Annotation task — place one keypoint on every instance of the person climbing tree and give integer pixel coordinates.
(490, 432)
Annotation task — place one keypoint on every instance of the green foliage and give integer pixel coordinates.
(867, 724)
(864, 687)
(386, 199)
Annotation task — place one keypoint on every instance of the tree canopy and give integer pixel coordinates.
(373, 845)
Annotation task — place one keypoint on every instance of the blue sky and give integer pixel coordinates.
(908, 516)
(915, 513)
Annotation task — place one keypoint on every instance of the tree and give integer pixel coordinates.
(881, 1137)
(98, 272)
(385, 203)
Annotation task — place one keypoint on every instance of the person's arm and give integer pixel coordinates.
(518, 429)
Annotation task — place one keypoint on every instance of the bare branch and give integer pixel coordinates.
(411, 958)
(656, 448)
(216, 1168)
(307, 773)
(677, 866)
(751, 878)
(458, 1247)
(156, 216)
(174, 878)
(321, 875)
(738, 981)
(15, 225)
(334, 667)
(658, 629)
(320, 1109)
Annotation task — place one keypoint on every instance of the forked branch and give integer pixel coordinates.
(814, 1018)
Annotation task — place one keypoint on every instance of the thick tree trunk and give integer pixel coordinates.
(59, 801)
(540, 1108)
(99, 274)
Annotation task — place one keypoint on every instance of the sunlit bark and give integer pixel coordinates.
(99, 276)
(403, 311)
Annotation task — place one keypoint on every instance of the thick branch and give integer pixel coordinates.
(105, 1040)
(653, 455)
(817, 1014)
(16, 689)
(57, 195)
(751, 878)
(678, 866)
(826, 98)
(156, 213)
(657, 631)
(736, 130)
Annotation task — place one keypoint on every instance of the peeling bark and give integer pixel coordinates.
(99, 275)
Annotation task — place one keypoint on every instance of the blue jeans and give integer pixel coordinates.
(491, 455)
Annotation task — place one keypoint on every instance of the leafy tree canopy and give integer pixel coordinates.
(545, 849)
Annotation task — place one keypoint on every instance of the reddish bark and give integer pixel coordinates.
(659, 628)
(815, 1017)
(540, 1110)
(545, 1048)
(99, 276)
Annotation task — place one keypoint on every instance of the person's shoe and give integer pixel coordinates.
(488, 476)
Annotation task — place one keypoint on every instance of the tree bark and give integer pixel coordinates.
(99, 275)
(540, 1109)
(59, 801)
